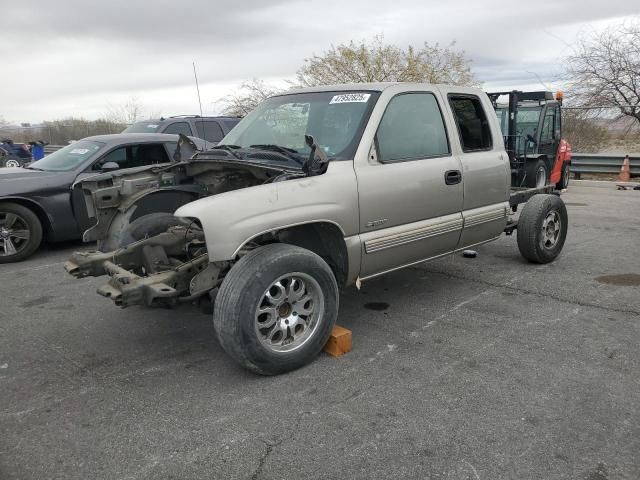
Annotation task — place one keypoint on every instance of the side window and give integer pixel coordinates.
(147, 154)
(557, 127)
(411, 128)
(134, 156)
(548, 127)
(209, 130)
(473, 126)
(179, 127)
(119, 156)
(171, 148)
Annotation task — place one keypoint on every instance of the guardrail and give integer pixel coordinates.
(51, 148)
(602, 163)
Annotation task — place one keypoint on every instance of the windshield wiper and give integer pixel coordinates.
(228, 148)
(30, 167)
(287, 152)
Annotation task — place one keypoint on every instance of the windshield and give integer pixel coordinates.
(335, 119)
(69, 157)
(526, 119)
(142, 127)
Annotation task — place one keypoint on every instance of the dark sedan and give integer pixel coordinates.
(36, 202)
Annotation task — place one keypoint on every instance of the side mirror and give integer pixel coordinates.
(109, 167)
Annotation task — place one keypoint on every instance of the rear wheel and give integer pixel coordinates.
(20, 232)
(275, 308)
(537, 174)
(542, 228)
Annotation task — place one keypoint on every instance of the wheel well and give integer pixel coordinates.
(35, 208)
(322, 238)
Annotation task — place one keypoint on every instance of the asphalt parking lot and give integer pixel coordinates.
(484, 368)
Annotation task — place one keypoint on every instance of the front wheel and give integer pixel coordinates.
(537, 174)
(20, 232)
(275, 308)
(542, 228)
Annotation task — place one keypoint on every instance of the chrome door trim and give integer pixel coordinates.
(416, 231)
(478, 216)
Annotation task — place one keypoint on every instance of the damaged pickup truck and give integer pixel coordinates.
(315, 190)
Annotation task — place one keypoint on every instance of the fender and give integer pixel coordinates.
(48, 225)
(231, 219)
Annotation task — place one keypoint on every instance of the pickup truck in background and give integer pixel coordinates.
(313, 191)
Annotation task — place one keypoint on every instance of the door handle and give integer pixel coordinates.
(452, 177)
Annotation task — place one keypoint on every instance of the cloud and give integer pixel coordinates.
(75, 57)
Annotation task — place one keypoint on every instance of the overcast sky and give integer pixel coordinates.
(79, 57)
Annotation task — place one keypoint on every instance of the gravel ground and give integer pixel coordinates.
(484, 368)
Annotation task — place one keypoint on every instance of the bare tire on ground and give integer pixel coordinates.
(542, 228)
(20, 232)
(275, 308)
(564, 180)
(537, 174)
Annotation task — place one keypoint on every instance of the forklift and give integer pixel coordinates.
(531, 124)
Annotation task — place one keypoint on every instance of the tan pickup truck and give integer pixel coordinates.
(315, 190)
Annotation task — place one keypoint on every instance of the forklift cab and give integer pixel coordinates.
(531, 124)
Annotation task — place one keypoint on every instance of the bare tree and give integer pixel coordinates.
(375, 61)
(583, 132)
(604, 69)
(248, 95)
(126, 113)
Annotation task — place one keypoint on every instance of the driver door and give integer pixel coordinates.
(410, 189)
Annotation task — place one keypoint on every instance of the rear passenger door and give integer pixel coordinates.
(485, 168)
(410, 189)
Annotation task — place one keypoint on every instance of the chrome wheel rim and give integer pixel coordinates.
(289, 312)
(14, 234)
(12, 163)
(551, 227)
(541, 177)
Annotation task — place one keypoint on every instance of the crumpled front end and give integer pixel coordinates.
(161, 270)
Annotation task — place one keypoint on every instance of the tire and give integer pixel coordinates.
(20, 232)
(542, 228)
(564, 180)
(246, 289)
(143, 227)
(11, 162)
(535, 172)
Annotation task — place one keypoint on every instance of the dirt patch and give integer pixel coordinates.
(622, 279)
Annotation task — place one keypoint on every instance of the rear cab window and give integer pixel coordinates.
(472, 123)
